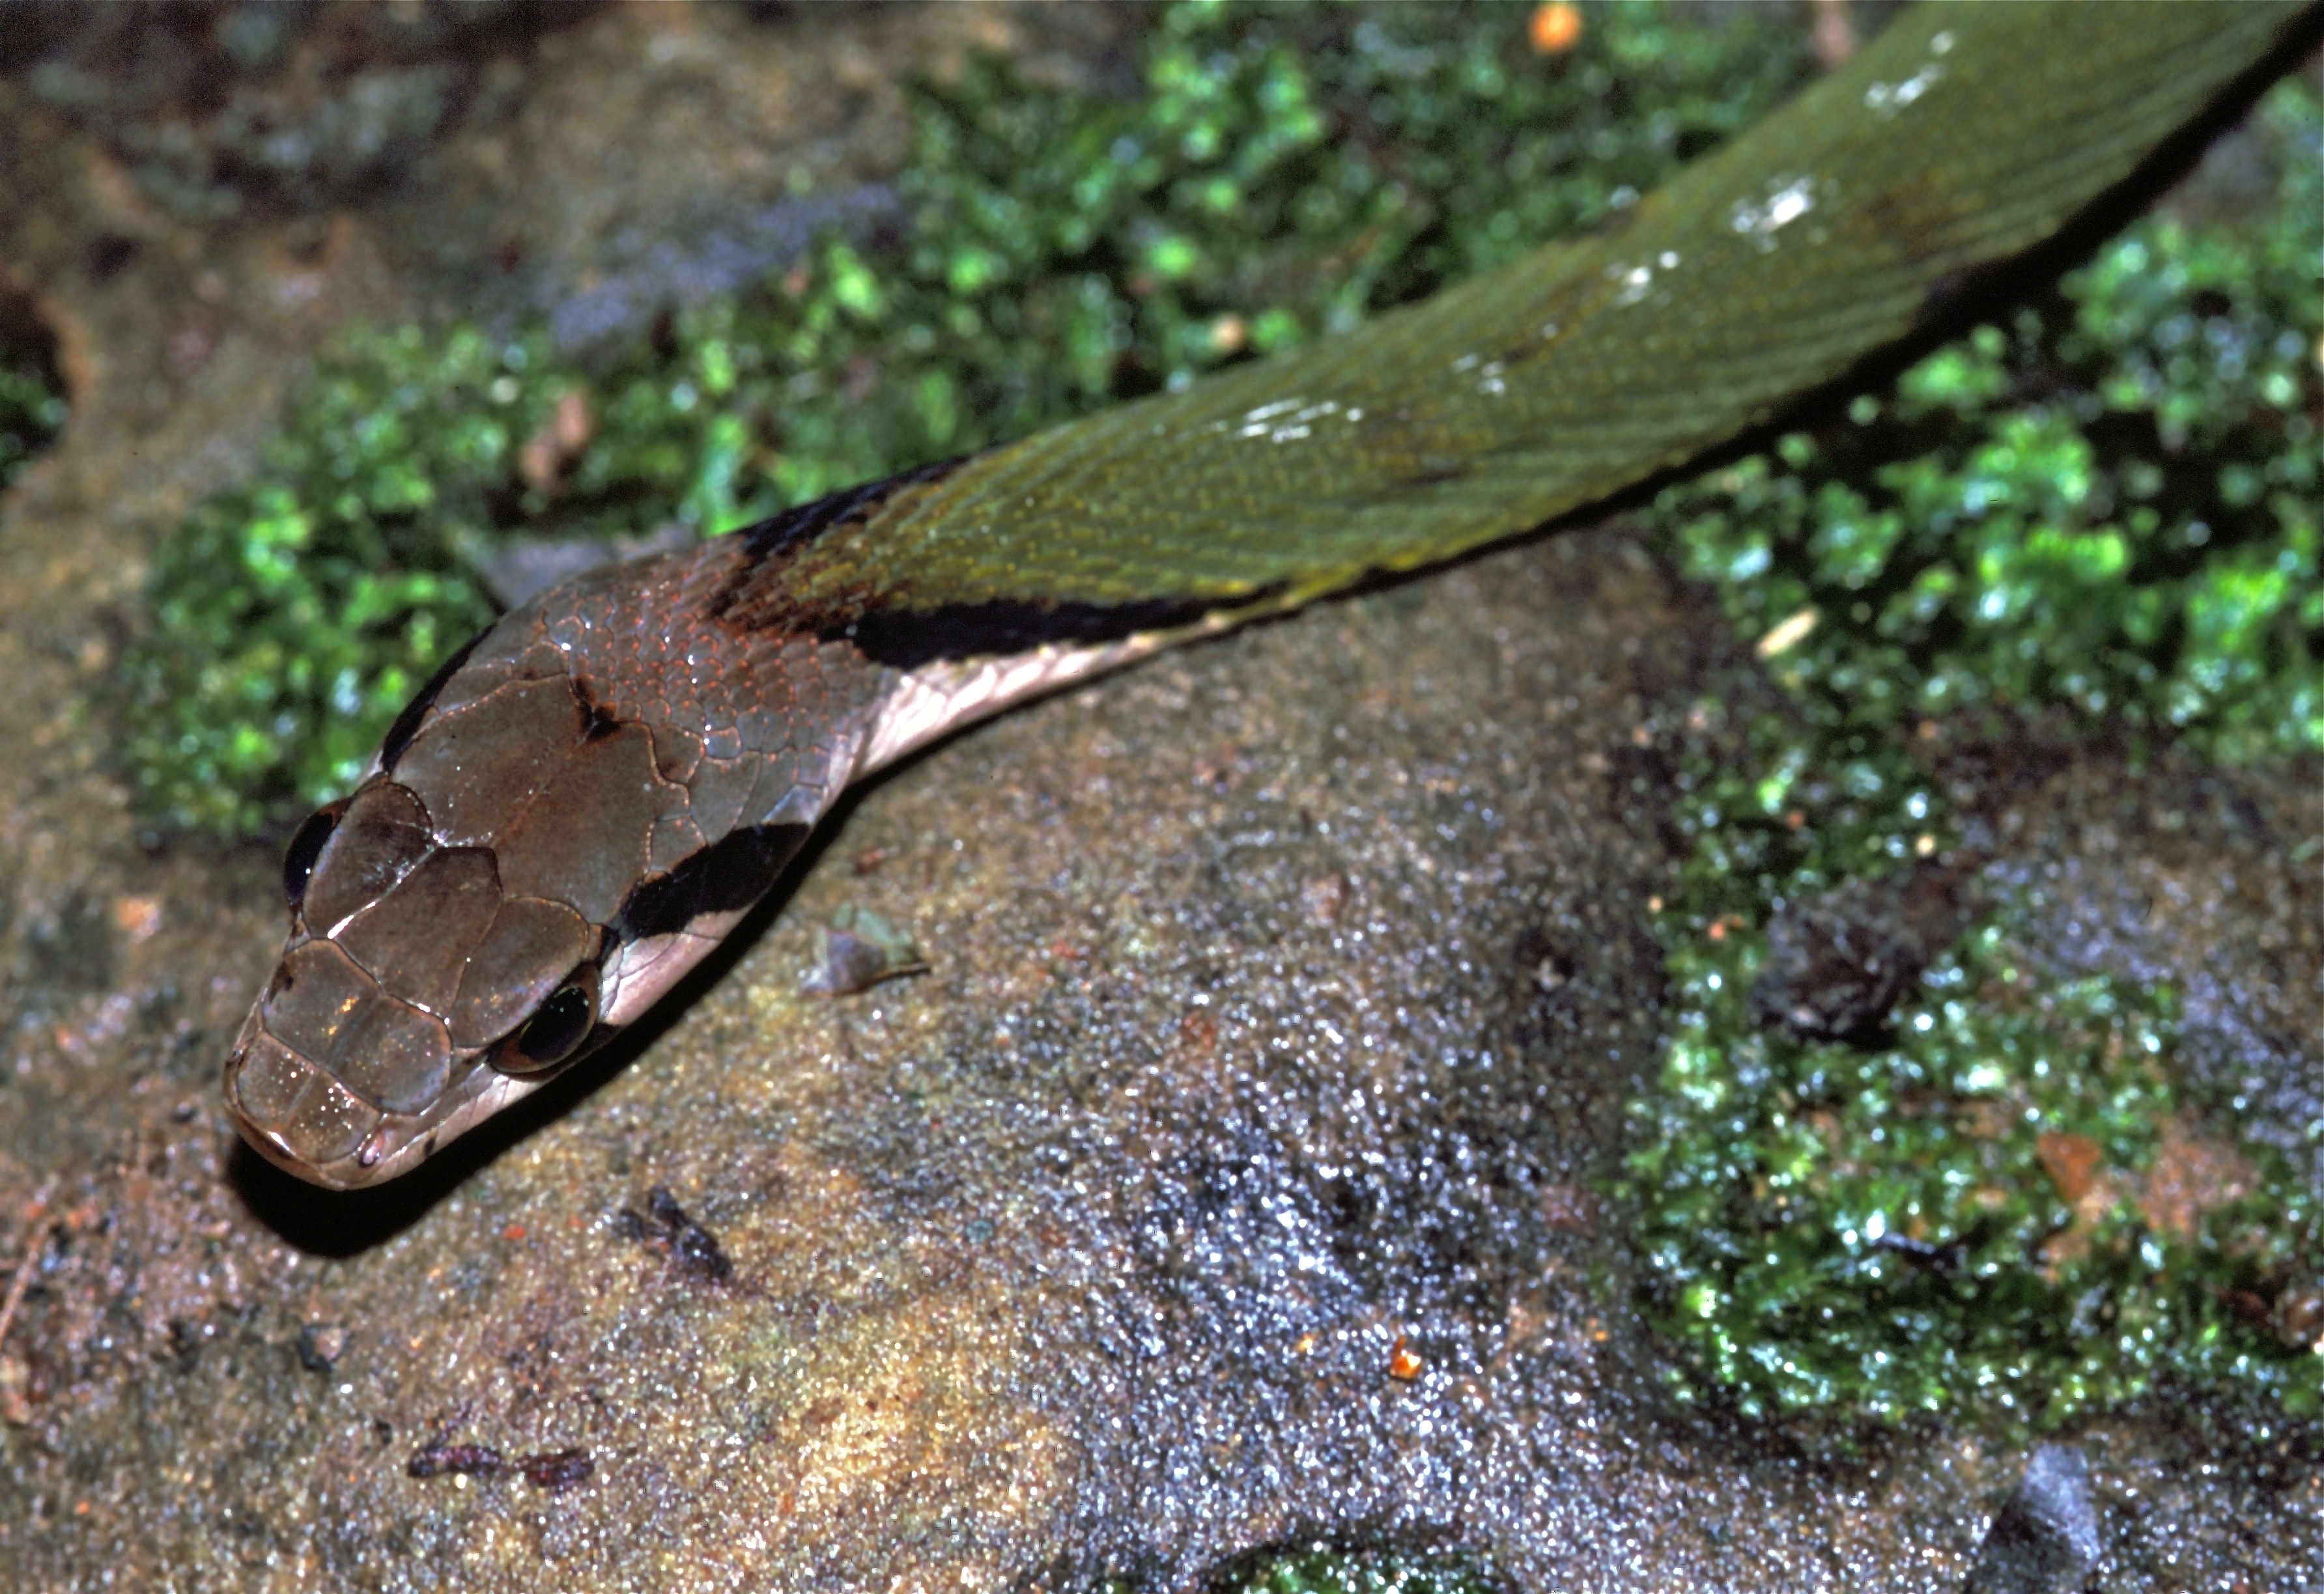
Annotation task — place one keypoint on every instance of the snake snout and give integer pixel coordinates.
(294, 1114)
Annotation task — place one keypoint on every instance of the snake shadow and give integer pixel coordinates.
(342, 1223)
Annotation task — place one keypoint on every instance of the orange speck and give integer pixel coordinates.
(1719, 929)
(1834, 38)
(2191, 1174)
(1570, 1209)
(572, 423)
(1555, 28)
(514, 1232)
(1306, 1343)
(2071, 1161)
(1402, 1363)
(137, 917)
(546, 455)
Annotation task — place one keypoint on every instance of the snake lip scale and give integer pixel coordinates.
(588, 797)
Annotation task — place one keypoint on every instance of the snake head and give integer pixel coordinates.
(571, 815)
(533, 862)
(414, 996)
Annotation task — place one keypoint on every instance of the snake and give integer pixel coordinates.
(589, 796)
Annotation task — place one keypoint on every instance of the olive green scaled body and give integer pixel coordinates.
(1961, 137)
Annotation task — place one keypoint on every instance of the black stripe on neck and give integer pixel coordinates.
(906, 640)
(784, 533)
(728, 874)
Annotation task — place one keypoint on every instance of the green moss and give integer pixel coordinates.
(293, 616)
(2100, 512)
(31, 404)
(1337, 1572)
(1285, 171)
(1317, 1569)
(1877, 1232)
(2106, 503)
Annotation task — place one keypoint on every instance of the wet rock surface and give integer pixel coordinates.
(1224, 1182)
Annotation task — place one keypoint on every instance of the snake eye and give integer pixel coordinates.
(555, 1029)
(306, 850)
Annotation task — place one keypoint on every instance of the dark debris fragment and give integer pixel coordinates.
(321, 1345)
(554, 1471)
(664, 1227)
(1838, 963)
(2045, 1537)
(557, 1470)
(858, 950)
(474, 1461)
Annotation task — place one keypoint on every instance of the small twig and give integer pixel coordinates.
(29, 1254)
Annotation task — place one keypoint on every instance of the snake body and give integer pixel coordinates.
(591, 794)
